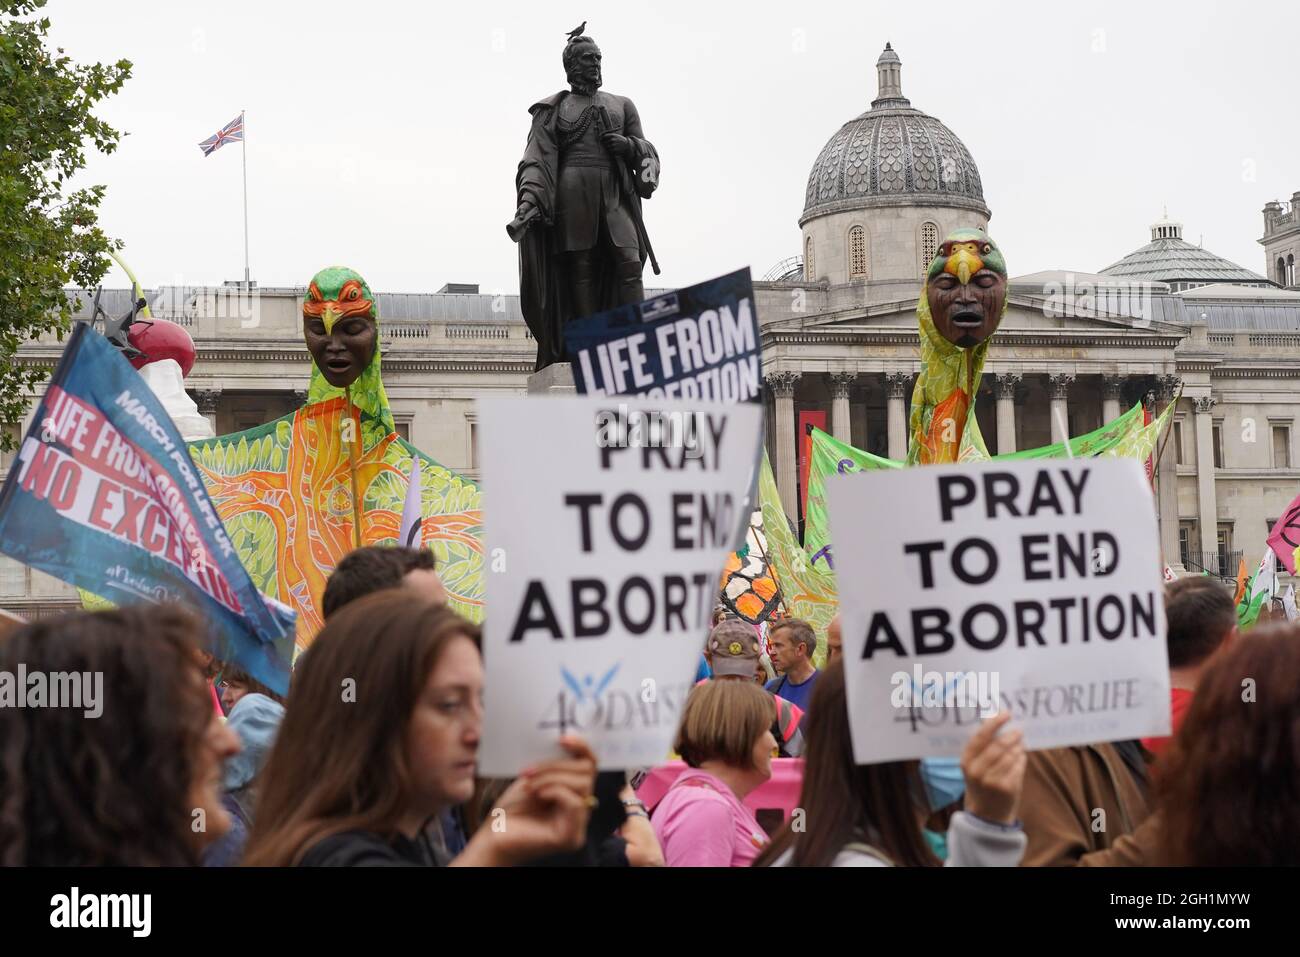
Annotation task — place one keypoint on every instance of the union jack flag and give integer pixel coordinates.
(234, 130)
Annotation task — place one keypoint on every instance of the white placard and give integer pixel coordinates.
(607, 526)
(1033, 587)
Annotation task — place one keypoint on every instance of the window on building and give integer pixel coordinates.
(1185, 543)
(1281, 271)
(1281, 446)
(809, 267)
(1290, 270)
(1218, 446)
(403, 429)
(1178, 443)
(1225, 540)
(857, 253)
(929, 245)
(473, 445)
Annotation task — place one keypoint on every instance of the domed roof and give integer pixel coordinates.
(893, 154)
(1170, 258)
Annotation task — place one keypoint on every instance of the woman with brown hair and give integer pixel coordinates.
(381, 733)
(132, 777)
(871, 815)
(234, 683)
(726, 740)
(1228, 788)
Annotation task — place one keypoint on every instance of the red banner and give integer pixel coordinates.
(807, 421)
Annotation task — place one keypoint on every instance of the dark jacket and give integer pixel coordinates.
(366, 849)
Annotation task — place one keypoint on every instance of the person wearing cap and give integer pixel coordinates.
(733, 653)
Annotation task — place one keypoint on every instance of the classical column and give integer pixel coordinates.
(1167, 487)
(840, 383)
(207, 401)
(782, 386)
(1059, 387)
(1111, 387)
(1005, 385)
(896, 388)
(1207, 503)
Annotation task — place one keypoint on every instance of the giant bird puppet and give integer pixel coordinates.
(301, 491)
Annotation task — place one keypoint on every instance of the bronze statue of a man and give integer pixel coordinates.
(585, 170)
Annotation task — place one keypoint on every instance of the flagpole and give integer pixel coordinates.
(243, 154)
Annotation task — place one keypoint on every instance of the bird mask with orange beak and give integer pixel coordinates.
(959, 309)
(340, 324)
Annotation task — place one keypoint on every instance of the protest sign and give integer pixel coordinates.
(1033, 587)
(699, 342)
(607, 524)
(103, 494)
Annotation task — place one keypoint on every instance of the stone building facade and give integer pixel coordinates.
(839, 338)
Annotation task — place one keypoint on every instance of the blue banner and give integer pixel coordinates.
(699, 342)
(103, 495)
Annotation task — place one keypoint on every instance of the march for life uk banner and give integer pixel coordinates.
(607, 525)
(697, 342)
(103, 494)
(1033, 587)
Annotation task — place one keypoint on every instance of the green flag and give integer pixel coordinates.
(1259, 590)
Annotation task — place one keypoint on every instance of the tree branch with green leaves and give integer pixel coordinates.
(49, 235)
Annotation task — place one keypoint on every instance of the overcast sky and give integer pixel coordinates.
(385, 136)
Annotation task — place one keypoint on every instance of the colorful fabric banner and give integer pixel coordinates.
(1129, 436)
(1259, 591)
(749, 589)
(1243, 584)
(284, 490)
(103, 495)
(1284, 539)
(807, 591)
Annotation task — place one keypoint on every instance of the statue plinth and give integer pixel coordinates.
(555, 379)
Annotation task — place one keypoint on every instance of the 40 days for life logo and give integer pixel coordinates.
(586, 702)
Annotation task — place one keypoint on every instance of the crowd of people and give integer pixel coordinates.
(371, 759)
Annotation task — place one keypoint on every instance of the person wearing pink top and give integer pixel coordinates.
(726, 740)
